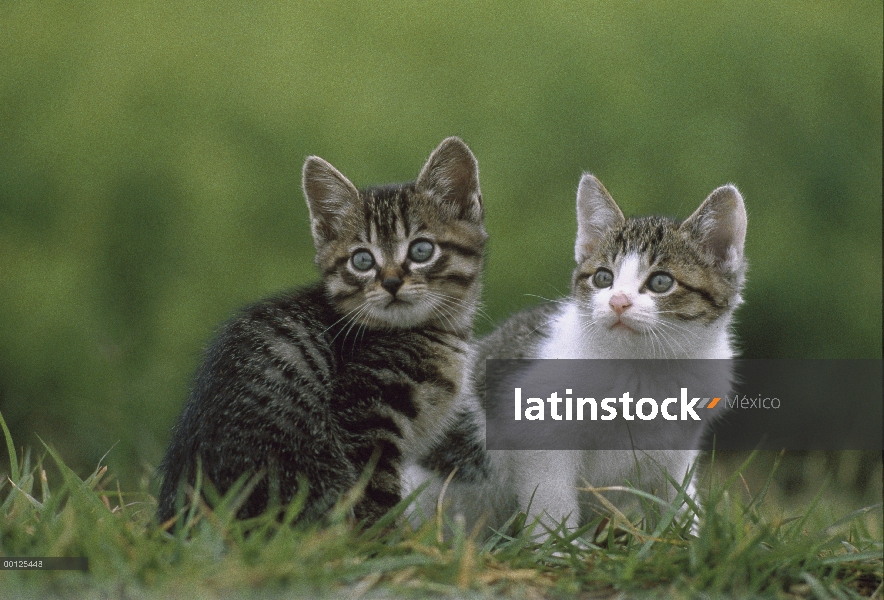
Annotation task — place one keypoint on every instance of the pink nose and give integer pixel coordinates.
(619, 302)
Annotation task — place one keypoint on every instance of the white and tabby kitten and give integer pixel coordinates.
(643, 288)
(304, 388)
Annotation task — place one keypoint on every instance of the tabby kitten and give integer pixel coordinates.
(643, 288)
(307, 387)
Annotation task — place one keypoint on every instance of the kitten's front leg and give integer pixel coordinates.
(545, 481)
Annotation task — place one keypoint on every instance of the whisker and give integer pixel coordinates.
(448, 310)
(665, 337)
(360, 332)
(445, 315)
(460, 303)
(341, 319)
(671, 336)
(558, 291)
(352, 322)
(555, 301)
(655, 342)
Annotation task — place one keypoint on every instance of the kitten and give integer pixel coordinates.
(643, 288)
(308, 386)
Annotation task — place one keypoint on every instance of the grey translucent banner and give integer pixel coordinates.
(743, 404)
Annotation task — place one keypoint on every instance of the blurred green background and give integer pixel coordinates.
(150, 157)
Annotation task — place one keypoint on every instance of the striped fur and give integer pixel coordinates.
(305, 388)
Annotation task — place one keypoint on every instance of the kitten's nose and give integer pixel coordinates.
(619, 302)
(391, 284)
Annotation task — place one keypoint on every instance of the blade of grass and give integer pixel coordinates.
(343, 508)
(10, 448)
(390, 517)
(796, 527)
(71, 479)
(758, 498)
(192, 510)
(36, 503)
(296, 506)
(850, 558)
(733, 478)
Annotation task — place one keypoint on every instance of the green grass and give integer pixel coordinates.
(747, 547)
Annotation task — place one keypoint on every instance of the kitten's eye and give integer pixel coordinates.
(660, 282)
(363, 260)
(603, 278)
(420, 251)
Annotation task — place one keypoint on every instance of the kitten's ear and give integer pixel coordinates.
(596, 213)
(720, 224)
(451, 175)
(329, 195)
